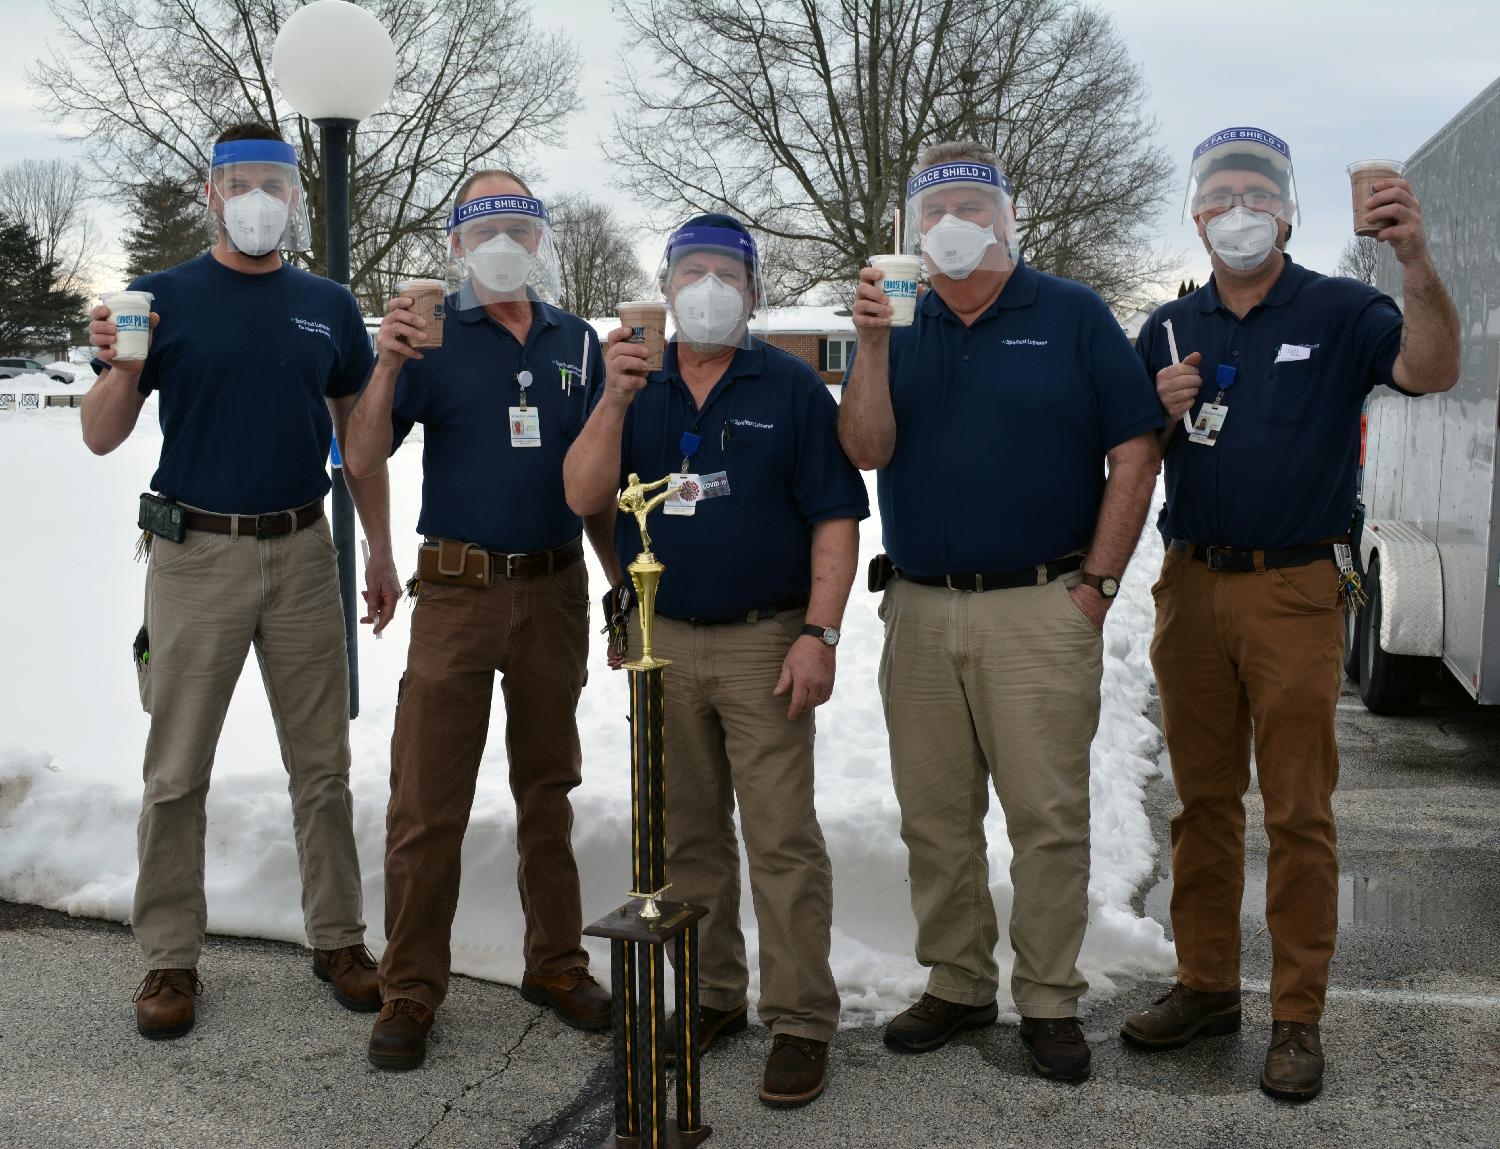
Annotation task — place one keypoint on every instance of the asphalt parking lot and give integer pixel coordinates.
(1412, 1030)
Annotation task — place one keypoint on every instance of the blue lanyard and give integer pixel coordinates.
(1225, 377)
(688, 445)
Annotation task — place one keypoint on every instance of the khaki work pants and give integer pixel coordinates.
(533, 632)
(996, 688)
(1238, 656)
(728, 741)
(209, 599)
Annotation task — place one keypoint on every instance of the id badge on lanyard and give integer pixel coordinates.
(1211, 416)
(525, 421)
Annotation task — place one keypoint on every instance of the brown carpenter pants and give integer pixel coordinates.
(534, 632)
(1241, 655)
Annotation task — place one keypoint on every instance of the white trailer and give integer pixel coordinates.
(1431, 541)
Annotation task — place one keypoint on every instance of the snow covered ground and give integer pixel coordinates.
(72, 732)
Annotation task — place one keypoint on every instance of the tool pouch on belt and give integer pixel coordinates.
(880, 571)
(455, 563)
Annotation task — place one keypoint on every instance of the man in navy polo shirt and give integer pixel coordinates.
(990, 419)
(1249, 616)
(503, 588)
(256, 364)
(758, 571)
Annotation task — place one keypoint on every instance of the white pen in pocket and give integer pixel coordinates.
(1187, 416)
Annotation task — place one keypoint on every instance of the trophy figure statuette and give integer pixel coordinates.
(640, 930)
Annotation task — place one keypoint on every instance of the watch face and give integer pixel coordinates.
(1109, 587)
(831, 635)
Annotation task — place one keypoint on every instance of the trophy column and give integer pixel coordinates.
(641, 929)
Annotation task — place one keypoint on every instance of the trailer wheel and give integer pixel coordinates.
(1353, 620)
(1388, 683)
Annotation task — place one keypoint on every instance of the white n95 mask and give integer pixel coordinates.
(255, 222)
(500, 264)
(1242, 238)
(955, 246)
(709, 312)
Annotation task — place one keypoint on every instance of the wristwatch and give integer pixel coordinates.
(1107, 585)
(827, 635)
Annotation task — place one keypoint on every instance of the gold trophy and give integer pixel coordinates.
(645, 571)
(640, 930)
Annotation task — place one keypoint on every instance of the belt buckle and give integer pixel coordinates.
(1214, 557)
(510, 569)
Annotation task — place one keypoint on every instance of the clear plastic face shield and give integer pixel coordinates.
(960, 219)
(255, 194)
(711, 280)
(1240, 185)
(501, 248)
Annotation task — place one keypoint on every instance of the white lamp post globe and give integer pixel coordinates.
(334, 61)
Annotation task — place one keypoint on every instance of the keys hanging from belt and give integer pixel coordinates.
(1350, 585)
(617, 603)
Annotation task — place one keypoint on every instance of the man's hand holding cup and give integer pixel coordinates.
(872, 310)
(626, 365)
(104, 337)
(398, 330)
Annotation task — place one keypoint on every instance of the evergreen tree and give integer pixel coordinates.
(37, 315)
(170, 227)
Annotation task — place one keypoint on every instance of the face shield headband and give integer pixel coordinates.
(1243, 149)
(256, 221)
(950, 245)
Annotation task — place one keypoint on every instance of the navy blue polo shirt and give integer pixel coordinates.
(1284, 469)
(476, 486)
(1002, 427)
(771, 424)
(244, 364)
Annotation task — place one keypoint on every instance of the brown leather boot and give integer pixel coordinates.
(1180, 1015)
(1058, 1050)
(932, 1022)
(1294, 1062)
(712, 1025)
(578, 999)
(164, 1003)
(796, 1071)
(398, 1039)
(351, 972)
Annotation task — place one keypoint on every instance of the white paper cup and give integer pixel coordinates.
(132, 315)
(900, 274)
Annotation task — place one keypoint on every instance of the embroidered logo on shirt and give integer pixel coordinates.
(1024, 342)
(752, 423)
(313, 327)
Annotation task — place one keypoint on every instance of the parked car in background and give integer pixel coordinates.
(10, 368)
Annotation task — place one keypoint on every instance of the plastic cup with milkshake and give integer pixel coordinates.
(1362, 179)
(428, 299)
(131, 311)
(647, 320)
(899, 282)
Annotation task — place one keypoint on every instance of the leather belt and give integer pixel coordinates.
(1234, 560)
(518, 565)
(268, 526)
(1039, 575)
(793, 602)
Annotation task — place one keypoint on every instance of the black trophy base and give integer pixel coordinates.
(626, 924)
(676, 1139)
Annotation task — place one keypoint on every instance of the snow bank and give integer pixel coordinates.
(71, 737)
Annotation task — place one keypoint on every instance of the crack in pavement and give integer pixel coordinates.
(584, 1121)
(505, 1059)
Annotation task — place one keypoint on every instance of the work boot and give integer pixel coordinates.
(932, 1021)
(1058, 1051)
(398, 1039)
(351, 972)
(712, 1025)
(164, 1003)
(795, 1072)
(1181, 1014)
(578, 999)
(1294, 1063)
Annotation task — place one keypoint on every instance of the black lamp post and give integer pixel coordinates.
(336, 65)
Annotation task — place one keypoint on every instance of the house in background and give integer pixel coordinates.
(822, 337)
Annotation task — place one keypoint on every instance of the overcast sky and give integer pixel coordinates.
(1339, 80)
